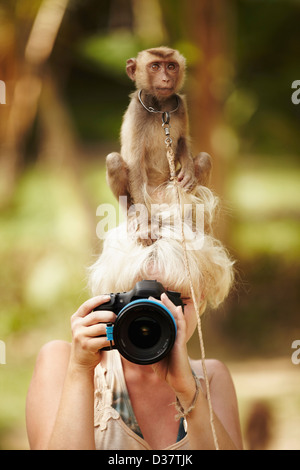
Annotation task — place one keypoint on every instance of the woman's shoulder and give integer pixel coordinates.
(56, 346)
(54, 354)
(214, 367)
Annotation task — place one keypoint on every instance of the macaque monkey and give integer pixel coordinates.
(142, 168)
(141, 172)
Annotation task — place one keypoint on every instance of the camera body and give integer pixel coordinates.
(144, 331)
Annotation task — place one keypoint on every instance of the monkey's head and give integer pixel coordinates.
(159, 71)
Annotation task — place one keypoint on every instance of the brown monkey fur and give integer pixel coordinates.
(141, 171)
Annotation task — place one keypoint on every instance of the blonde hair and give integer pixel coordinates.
(125, 261)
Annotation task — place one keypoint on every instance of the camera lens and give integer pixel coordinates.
(144, 331)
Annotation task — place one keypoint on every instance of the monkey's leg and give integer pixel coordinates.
(138, 194)
(117, 176)
(203, 167)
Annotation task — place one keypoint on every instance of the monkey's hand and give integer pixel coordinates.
(186, 178)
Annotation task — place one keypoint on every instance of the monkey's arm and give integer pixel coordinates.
(193, 170)
(203, 168)
(186, 176)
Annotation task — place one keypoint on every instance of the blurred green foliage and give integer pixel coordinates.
(46, 240)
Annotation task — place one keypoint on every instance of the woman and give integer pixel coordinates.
(82, 397)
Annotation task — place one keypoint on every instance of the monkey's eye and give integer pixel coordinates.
(155, 67)
(172, 66)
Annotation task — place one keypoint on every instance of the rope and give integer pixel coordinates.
(171, 161)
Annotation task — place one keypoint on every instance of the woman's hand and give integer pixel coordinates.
(89, 332)
(175, 368)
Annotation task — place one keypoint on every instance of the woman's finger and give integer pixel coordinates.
(169, 304)
(98, 316)
(90, 304)
(98, 330)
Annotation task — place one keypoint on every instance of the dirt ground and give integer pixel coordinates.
(269, 398)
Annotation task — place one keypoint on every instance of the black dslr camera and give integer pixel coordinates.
(145, 330)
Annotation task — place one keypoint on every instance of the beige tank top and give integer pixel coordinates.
(111, 432)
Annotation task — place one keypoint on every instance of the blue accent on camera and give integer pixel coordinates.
(109, 332)
(153, 302)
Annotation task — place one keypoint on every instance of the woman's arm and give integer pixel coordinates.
(225, 411)
(60, 401)
(176, 370)
(59, 408)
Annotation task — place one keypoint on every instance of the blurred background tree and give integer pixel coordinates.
(63, 63)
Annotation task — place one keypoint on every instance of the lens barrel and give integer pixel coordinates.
(144, 331)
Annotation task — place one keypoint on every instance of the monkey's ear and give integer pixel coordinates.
(131, 68)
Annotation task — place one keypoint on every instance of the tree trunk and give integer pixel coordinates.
(210, 22)
(23, 106)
